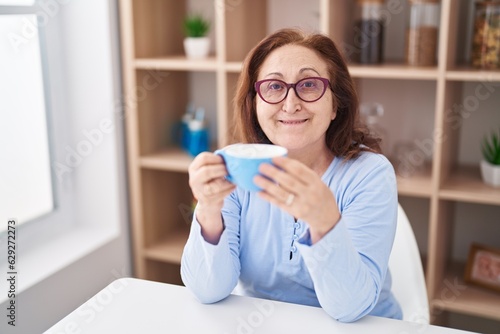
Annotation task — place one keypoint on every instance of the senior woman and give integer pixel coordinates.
(321, 231)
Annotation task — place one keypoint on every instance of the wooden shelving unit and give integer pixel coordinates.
(393, 71)
(172, 159)
(170, 248)
(157, 86)
(466, 299)
(418, 185)
(176, 63)
(465, 185)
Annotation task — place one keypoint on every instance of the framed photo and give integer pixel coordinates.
(483, 267)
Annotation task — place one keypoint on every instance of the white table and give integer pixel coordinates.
(136, 306)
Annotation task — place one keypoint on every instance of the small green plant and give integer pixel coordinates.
(196, 25)
(491, 148)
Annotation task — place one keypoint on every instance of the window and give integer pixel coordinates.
(17, 2)
(81, 81)
(26, 183)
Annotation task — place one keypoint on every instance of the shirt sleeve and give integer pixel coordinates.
(349, 264)
(210, 271)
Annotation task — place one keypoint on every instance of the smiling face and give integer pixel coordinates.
(297, 125)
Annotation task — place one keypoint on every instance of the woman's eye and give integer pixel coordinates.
(275, 86)
(308, 84)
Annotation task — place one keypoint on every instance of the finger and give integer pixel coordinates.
(285, 180)
(294, 167)
(205, 158)
(215, 193)
(273, 200)
(227, 189)
(271, 188)
(207, 173)
(216, 187)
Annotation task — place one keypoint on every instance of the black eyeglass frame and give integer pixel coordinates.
(325, 82)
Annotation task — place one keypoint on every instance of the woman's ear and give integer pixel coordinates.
(334, 107)
(334, 115)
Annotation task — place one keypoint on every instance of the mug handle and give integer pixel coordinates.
(223, 155)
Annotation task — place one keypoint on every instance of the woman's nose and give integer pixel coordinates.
(291, 104)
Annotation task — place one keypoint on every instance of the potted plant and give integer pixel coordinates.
(490, 165)
(196, 43)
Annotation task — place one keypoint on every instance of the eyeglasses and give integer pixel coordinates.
(274, 91)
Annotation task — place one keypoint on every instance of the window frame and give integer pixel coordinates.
(90, 210)
(55, 220)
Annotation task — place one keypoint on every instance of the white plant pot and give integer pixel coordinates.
(196, 47)
(490, 173)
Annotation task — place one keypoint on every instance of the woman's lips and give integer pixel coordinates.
(293, 122)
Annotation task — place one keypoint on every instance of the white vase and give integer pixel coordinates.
(196, 47)
(490, 173)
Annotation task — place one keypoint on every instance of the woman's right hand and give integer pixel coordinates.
(207, 181)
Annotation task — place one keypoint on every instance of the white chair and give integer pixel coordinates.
(408, 281)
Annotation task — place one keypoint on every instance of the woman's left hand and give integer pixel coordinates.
(297, 189)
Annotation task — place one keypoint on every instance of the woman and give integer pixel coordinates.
(321, 231)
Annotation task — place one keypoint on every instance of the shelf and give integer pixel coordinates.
(471, 74)
(393, 71)
(418, 185)
(170, 248)
(465, 184)
(415, 187)
(176, 63)
(234, 67)
(456, 296)
(173, 159)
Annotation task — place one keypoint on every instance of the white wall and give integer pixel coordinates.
(63, 268)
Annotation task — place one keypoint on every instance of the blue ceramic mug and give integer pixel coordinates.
(243, 161)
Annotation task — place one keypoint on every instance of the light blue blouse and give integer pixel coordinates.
(270, 255)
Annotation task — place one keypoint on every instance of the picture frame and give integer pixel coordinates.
(483, 267)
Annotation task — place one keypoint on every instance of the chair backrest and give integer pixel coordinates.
(408, 281)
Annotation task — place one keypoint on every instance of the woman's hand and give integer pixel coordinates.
(209, 187)
(299, 190)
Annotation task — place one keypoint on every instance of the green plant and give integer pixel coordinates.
(491, 148)
(196, 25)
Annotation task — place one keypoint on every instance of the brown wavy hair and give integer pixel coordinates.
(346, 136)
